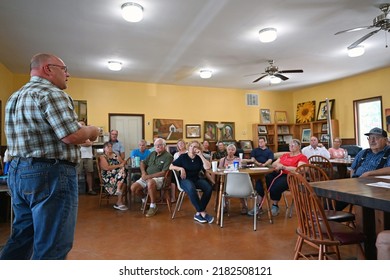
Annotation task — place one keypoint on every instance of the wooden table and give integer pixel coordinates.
(356, 191)
(342, 166)
(256, 174)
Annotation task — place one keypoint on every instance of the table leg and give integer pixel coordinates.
(219, 198)
(267, 198)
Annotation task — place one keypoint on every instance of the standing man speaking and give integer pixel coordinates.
(42, 138)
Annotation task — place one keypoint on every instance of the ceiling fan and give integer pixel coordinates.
(273, 71)
(382, 22)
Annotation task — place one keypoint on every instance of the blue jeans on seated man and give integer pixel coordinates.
(190, 188)
(45, 201)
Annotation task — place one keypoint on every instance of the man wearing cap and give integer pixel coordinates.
(375, 160)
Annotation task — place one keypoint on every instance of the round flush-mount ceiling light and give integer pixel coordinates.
(205, 73)
(356, 51)
(115, 65)
(268, 35)
(132, 12)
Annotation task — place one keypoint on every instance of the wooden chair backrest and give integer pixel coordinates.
(312, 222)
(323, 163)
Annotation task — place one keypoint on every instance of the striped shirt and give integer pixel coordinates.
(37, 117)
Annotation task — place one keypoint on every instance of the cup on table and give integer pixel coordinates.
(241, 155)
(214, 166)
(236, 165)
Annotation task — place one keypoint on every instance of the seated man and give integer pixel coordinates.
(221, 151)
(153, 170)
(142, 153)
(374, 161)
(315, 148)
(261, 156)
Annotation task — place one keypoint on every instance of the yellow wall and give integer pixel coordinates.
(344, 91)
(194, 105)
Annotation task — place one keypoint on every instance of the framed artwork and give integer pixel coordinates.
(168, 129)
(193, 130)
(262, 129)
(323, 110)
(306, 133)
(210, 131)
(265, 116)
(280, 138)
(228, 131)
(263, 137)
(305, 112)
(80, 107)
(284, 129)
(324, 127)
(246, 144)
(287, 138)
(280, 116)
(324, 138)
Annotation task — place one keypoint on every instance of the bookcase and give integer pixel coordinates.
(279, 135)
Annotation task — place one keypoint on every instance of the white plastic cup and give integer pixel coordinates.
(214, 166)
(241, 155)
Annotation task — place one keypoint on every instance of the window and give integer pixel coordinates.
(368, 114)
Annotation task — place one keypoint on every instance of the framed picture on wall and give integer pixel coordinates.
(323, 110)
(305, 112)
(324, 138)
(280, 116)
(265, 116)
(228, 131)
(168, 129)
(306, 133)
(246, 144)
(193, 130)
(210, 131)
(324, 127)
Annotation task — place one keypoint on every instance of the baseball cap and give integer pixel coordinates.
(377, 131)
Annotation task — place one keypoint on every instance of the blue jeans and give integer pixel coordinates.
(190, 188)
(45, 202)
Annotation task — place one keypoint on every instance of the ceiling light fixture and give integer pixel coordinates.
(274, 80)
(267, 35)
(356, 51)
(132, 12)
(205, 74)
(115, 65)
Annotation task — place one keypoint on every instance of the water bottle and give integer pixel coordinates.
(132, 162)
(345, 155)
(137, 161)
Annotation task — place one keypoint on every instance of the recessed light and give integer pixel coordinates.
(115, 65)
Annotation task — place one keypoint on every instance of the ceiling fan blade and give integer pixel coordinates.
(281, 76)
(258, 79)
(355, 29)
(355, 44)
(291, 71)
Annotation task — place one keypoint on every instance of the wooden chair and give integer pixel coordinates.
(239, 185)
(323, 163)
(314, 173)
(165, 198)
(314, 229)
(181, 195)
(103, 195)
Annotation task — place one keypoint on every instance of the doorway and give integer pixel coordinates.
(130, 129)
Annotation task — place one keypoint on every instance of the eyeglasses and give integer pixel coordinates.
(376, 138)
(63, 67)
(158, 145)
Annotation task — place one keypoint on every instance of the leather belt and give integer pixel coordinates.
(47, 160)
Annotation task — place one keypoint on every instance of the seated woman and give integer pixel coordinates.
(189, 165)
(336, 151)
(113, 174)
(225, 163)
(181, 149)
(277, 180)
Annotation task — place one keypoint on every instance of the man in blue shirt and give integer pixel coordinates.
(142, 153)
(117, 146)
(375, 160)
(261, 156)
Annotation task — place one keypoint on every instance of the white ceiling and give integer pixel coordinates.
(179, 37)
